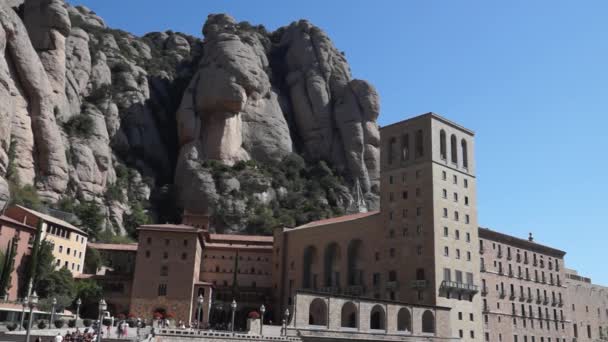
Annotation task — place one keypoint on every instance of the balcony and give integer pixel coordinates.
(558, 283)
(526, 261)
(485, 308)
(354, 290)
(419, 284)
(535, 263)
(509, 257)
(329, 289)
(452, 286)
(518, 258)
(512, 296)
(560, 303)
(529, 299)
(482, 268)
(501, 294)
(522, 298)
(553, 302)
(481, 250)
(484, 291)
(392, 285)
(499, 255)
(545, 301)
(501, 271)
(520, 275)
(539, 300)
(511, 273)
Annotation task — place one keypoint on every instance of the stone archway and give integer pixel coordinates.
(317, 312)
(349, 316)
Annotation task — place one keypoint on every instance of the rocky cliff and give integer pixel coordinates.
(256, 128)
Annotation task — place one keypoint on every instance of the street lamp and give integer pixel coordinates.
(32, 303)
(285, 320)
(78, 303)
(102, 308)
(200, 302)
(23, 313)
(262, 310)
(54, 302)
(233, 306)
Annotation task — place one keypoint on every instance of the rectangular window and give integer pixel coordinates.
(162, 290)
(466, 200)
(457, 253)
(455, 197)
(459, 276)
(445, 193)
(445, 214)
(447, 274)
(455, 180)
(445, 231)
(404, 195)
(418, 192)
(467, 219)
(466, 183)
(469, 278)
(444, 175)
(418, 211)
(457, 235)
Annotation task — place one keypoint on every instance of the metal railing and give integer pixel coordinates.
(419, 284)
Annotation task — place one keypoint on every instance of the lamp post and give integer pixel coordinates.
(200, 302)
(285, 321)
(32, 303)
(102, 308)
(262, 310)
(54, 302)
(233, 307)
(78, 304)
(23, 312)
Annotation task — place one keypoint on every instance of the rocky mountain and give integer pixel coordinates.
(256, 128)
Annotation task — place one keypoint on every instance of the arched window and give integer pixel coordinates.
(404, 320)
(332, 255)
(391, 150)
(309, 259)
(377, 318)
(465, 154)
(443, 150)
(354, 263)
(405, 147)
(349, 315)
(428, 322)
(317, 312)
(419, 144)
(454, 148)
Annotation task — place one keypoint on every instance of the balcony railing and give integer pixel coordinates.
(484, 291)
(329, 289)
(522, 298)
(529, 299)
(459, 287)
(354, 290)
(501, 271)
(501, 294)
(512, 296)
(535, 263)
(539, 300)
(392, 285)
(511, 273)
(482, 268)
(518, 258)
(553, 302)
(419, 284)
(509, 257)
(486, 308)
(499, 255)
(560, 303)
(481, 250)
(526, 261)
(546, 301)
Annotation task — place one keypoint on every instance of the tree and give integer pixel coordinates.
(90, 214)
(90, 292)
(32, 265)
(92, 261)
(26, 196)
(8, 267)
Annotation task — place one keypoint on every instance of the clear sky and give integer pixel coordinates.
(529, 77)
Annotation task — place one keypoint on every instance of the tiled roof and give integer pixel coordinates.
(13, 221)
(338, 219)
(51, 219)
(114, 246)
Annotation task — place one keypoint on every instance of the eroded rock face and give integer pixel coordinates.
(98, 115)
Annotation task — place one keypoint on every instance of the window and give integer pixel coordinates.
(391, 149)
(392, 252)
(447, 274)
(465, 154)
(446, 251)
(466, 183)
(166, 242)
(185, 243)
(184, 256)
(58, 262)
(404, 195)
(390, 196)
(405, 147)
(418, 192)
(418, 211)
(162, 289)
(165, 255)
(467, 219)
(468, 237)
(444, 175)
(468, 256)
(390, 179)
(419, 250)
(442, 145)
(445, 193)
(147, 254)
(454, 149)
(445, 231)
(457, 234)
(164, 270)
(418, 174)
(67, 251)
(403, 178)
(457, 253)
(466, 200)
(455, 197)
(455, 179)
(456, 216)
(149, 239)
(60, 249)
(445, 212)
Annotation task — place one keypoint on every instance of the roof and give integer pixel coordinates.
(518, 242)
(170, 227)
(51, 219)
(240, 238)
(131, 247)
(437, 117)
(338, 219)
(15, 222)
(239, 246)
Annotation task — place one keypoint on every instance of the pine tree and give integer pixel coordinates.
(32, 264)
(8, 267)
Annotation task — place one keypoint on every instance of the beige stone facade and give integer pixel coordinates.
(69, 241)
(588, 308)
(523, 290)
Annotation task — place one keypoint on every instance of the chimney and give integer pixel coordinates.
(530, 237)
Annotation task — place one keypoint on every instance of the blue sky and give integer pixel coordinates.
(529, 77)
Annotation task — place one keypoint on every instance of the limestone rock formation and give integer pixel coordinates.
(249, 125)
